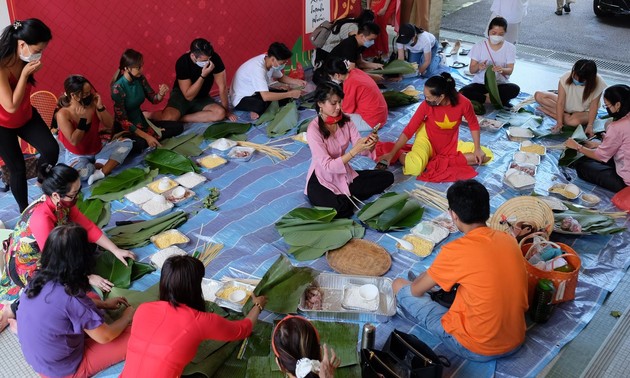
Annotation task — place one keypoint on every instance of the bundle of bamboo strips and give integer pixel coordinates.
(273, 152)
(430, 197)
(209, 253)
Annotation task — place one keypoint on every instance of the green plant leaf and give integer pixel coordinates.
(283, 285)
(579, 135)
(269, 114)
(169, 162)
(384, 202)
(138, 234)
(592, 222)
(395, 99)
(185, 144)
(568, 157)
(303, 125)
(490, 80)
(396, 66)
(284, 121)
(391, 211)
(114, 187)
(226, 130)
(112, 269)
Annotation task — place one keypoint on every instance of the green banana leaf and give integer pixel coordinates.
(303, 125)
(591, 222)
(395, 67)
(135, 297)
(396, 99)
(490, 80)
(312, 232)
(391, 212)
(283, 285)
(226, 130)
(95, 210)
(112, 269)
(284, 121)
(185, 144)
(167, 161)
(138, 234)
(569, 155)
(269, 114)
(478, 107)
(209, 366)
(114, 187)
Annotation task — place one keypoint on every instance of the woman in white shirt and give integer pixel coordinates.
(422, 47)
(499, 54)
(577, 101)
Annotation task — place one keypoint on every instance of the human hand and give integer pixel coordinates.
(299, 83)
(479, 155)
(231, 116)
(207, 70)
(388, 156)
(557, 128)
(121, 254)
(374, 66)
(31, 67)
(98, 101)
(482, 65)
(151, 141)
(572, 144)
(100, 282)
(259, 300)
(114, 303)
(129, 311)
(589, 130)
(497, 69)
(294, 93)
(163, 90)
(330, 362)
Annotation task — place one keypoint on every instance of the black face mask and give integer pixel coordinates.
(86, 101)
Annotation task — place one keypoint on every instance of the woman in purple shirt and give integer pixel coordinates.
(331, 181)
(56, 313)
(607, 164)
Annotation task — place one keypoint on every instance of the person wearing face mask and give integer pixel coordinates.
(196, 72)
(363, 101)
(21, 47)
(79, 117)
(251, 90)
(129, 89)
(499, 54)
(422, 48)
(607, 163)
(331, 181)
(513, 11)
(61, 186)
(351, 48)
(579, 93)
(436, 154)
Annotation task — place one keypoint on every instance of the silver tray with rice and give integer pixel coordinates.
(334, 302)
(519, 134)
(233, 295)
(520, 176)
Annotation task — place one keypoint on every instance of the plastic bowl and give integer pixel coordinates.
(368, 292)
(178, 192)
(237, 296)
(590, 199)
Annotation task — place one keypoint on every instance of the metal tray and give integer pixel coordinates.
(333, 285)
(209, 289)
(233, 305)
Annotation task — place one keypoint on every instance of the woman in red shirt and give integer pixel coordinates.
(165, 334)
(21, 47)
(80, 115)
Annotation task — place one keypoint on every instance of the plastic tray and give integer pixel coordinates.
(169, 207)
(154, 186)
(492, 125)
(512, 137)
(544, 151)
(233, 305)
(190, 180)
(159, 257)
(333, 286)
(525, 168)
(209, 289)
(233, 154)
(530, 156)
(178, 201)
(169, 232)
(200, 161)
(140, 196)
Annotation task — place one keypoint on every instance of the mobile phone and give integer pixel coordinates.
(375, 129)
(382, 165)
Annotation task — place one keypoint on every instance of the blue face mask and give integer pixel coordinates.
(368, 43)
(278, 68)
(578, 83)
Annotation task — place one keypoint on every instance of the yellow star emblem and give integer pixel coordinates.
(446, 124)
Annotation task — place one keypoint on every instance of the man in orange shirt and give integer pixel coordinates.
(487, 318)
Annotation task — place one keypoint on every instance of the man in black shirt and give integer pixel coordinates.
(351, 48)
(196, 71)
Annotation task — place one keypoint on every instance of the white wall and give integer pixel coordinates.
(4, 15)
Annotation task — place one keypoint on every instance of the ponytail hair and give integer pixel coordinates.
(367, 15)
(72, 84)
(330, 67)
(443, 84)
(129, 59)
(56, 179)
(32, 31)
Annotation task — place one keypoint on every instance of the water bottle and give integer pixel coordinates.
(541, 308)
(368, 336)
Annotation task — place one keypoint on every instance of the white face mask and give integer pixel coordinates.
(278, 68)
(202, 64)
(336, 81)
(32, 57)
(496, 39)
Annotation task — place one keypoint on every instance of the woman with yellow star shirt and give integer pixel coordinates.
(436, 154)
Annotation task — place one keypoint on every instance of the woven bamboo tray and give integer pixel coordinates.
(360, 257)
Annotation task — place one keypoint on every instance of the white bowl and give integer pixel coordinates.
(237, 296)
(368, 292)
(178, 192)
(590, 199)
(164, 184)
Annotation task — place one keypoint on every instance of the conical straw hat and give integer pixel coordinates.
(527, 209)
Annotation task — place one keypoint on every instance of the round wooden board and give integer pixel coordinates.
(360, 257)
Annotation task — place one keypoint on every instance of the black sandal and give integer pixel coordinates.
(459, 65)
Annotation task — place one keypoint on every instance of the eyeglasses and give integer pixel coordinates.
(75, 195)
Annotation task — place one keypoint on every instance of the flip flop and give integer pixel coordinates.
(459, 65)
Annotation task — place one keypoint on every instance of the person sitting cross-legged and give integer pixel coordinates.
(487, 318)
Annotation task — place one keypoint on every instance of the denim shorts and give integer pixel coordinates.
(428, 315)
(116, 150)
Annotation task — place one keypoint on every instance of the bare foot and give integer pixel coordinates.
(6, 315)
(253, 116)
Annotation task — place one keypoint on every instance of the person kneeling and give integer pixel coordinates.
(487, 317)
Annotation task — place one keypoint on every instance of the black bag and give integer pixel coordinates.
(444, 298)
(403, 356)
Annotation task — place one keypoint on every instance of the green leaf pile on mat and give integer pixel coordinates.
(284, 121)
(95, 210)
(395, 99)
(283, 285)
(167, 161)
(591, 221)
(391, 212)
(109, 267)
(138, 234)
(312, 231)
(569, 155)
(211, 198)
(490, 80)
(114, 187)
(269, 114)
(395, 67)
(230, 130)
(303, 125)
(186, 144)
